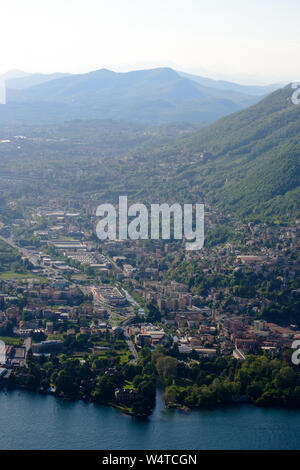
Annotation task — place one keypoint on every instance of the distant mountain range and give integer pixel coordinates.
(21, 82)
(225, 85)
(153, 96)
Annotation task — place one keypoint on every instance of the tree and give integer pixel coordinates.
(104, 390)
(166, 367)
(170, 394)
(66, 385)
(153, 314)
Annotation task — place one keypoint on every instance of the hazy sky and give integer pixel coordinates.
(259, 39)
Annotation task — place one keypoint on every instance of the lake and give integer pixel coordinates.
(34, 421)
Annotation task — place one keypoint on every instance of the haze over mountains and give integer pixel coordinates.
(21, 82)
(253, 90)
(153, 96)
(251, 157)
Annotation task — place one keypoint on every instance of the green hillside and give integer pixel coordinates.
(252, 162)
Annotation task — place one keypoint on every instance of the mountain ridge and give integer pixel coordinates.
(153, 96)
(253, 162)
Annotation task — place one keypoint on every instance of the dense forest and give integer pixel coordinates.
(260, 379)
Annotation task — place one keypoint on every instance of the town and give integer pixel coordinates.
(103, 302)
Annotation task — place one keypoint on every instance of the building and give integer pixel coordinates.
(250, 259)
(110, 296)
(47, 347)
(49, 328)
(206, 352)
(124, 394)
(260, 325)
(245, 344)
(143, 340)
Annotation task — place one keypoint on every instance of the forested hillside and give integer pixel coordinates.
(251, 159)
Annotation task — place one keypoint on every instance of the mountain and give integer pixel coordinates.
(248, 163)
(21, 82)
(225, 85)
(12, 74)
(150, 96)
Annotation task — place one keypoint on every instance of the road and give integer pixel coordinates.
(132, 350)
(238, 354)
(23, 251)
(34, 261)
(27, 344)
(31, 257)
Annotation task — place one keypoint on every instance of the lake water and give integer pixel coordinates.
(33, 421)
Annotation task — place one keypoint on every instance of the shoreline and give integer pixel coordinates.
(168, 406)
(118, 406)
